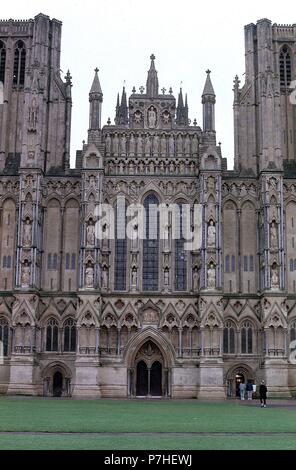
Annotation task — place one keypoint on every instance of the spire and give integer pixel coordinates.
(208, 89)
(95, 100)
(208, 102)
(152, 80)
(182, 111)
(121, 117)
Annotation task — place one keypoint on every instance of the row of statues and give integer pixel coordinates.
(146, 144)
(151, 167)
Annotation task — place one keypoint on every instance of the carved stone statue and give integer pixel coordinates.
(180, 145)
(151, 117)
(273, 235)
(171, 145)
(195, 279)
(108, 144)
(27, 234)
(140, 145)
(90, 234)
(115, 145)
(194, 144)
(166, 277)
(187, 145)
(147, 145)
(134, 277)
(211, 234)
(123, 144)
(25, 274)
(89, 276)
(274, 276)
(163, 145)
(105, 277)
(33, 114)
(155, 145)
(132, 145)
(211, 276)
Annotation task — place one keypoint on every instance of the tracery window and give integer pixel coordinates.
(70, 336)
(151, 244)
(120, 250)
(52, 335)
(180, 255)
(246, 338)
(4, 335)
(19, 64)
(229, 338)
(285, 67)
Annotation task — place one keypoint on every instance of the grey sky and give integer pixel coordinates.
(119, 36)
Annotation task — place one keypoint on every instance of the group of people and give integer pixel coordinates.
(249, 388)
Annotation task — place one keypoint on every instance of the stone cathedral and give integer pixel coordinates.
(88, 316)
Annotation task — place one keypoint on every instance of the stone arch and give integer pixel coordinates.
(48, 375)
(236, 373)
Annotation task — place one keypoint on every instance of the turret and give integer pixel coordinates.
(152, 80)
(208, 101)
(95, 100)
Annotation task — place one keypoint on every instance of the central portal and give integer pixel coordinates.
(149, 371)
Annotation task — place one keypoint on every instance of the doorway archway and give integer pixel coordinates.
(236, 375)
(57, 384)
(150, 380)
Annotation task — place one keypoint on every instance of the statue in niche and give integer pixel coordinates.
(33, 114)
(105, 277)
(27, 234)
(273, 235)
(211, 276)
(25, 274)
(180, 145)
(89, 275)
(132, 145)
(138, 117)
(123, 144)
(147, 145)
(274, 276)
(115, 144)
(108, 143)
(135, 236)
(90, 233)
(195, 144)
(163, 145)
(187, 145)
(151, 117)
(134, 277)
(166, 277)
(155, 145)
(171, 145)
(211, 234)
(195, 279)
(140, 145)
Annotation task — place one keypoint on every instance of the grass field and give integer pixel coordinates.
(37, 423)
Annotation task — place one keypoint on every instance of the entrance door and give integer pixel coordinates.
(239, 378)
(142, 379)
(155, 379)
(57, 386)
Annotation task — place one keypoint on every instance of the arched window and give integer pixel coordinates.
(52, 335)
(19, 64)
(73, 261)
(151, 244)
(4, 335)
(55, 262)
(291, 265)
(180, 253)
(120, 248)
(2, 61)
(293, 332)
(67, 260)
(70, 336)
(49, 262)
(247, 338)
(227, 264)
(285, 67)
(229, 338)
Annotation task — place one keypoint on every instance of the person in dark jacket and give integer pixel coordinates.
(249, 390)
(262, 393)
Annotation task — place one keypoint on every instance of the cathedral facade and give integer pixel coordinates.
(88, 307)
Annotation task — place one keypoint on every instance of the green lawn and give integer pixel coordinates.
(121, 416)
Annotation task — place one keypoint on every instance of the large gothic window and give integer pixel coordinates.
(151, 244)
(120, 250)
(229, 338)
(180, 255)
(19, 64)
(285, 67)
(52, 335)
(70, 336)
(247, 338)
(2, 61)
(4, 335)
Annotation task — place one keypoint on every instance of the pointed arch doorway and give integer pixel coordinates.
(151, 377)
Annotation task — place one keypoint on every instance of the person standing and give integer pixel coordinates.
(262, 393)
(242, 390)
(249, 390)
